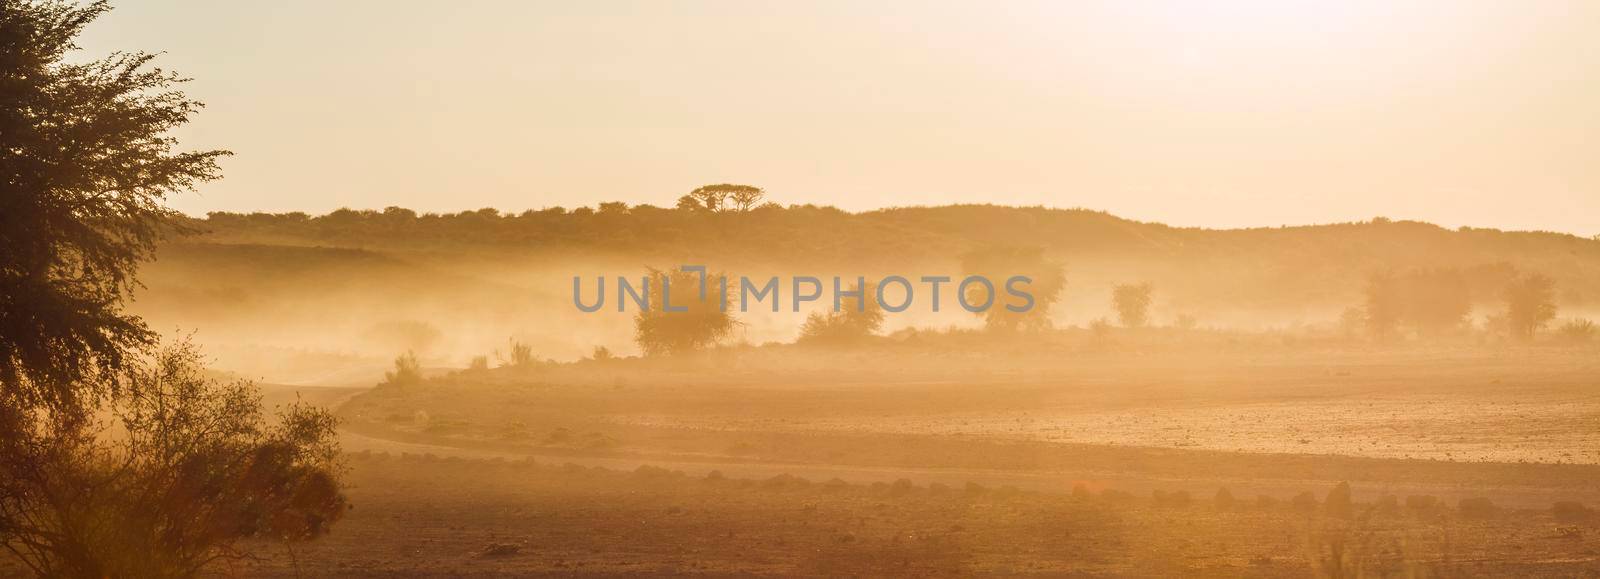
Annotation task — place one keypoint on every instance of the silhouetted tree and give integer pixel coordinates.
(87, 164)
(709, 197)
(745, 197)
(703, 322)
(713, 198)
(195, 469)
(1132, 302)
(1530, 304)
(999, 264)
(689, 203)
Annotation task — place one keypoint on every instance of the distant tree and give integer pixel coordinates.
(714, 198)
(1530, 304)
(662, 332)
(478, 364)
(195, 468)
(613, 208)
(745, 197)
(710, 197)
(601, 354)
(1385, 305)
(999, 264)
(87, 165)
(856, 318)
(689, 203)
(1132, 302)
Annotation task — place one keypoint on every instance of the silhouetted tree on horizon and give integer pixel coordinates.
(720, 197)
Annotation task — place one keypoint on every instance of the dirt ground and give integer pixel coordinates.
(425, 516)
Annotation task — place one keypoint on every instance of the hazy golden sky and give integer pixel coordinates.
(1194, 113)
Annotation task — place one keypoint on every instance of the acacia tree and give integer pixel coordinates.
(715, 198)
(87, 163)
(1132, 302)
(702, 322)
(1530, 304)
(182, 467)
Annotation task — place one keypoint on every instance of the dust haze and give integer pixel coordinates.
(1373, 398)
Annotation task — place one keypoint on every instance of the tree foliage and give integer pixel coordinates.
(703, 322)
(722, 197)
(1132, 302)
(999, 264)
(1530, 304)
(85, 165)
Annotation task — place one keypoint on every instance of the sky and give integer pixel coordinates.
(1212, 114)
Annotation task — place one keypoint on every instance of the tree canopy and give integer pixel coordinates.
(86, 162)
